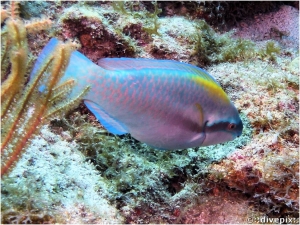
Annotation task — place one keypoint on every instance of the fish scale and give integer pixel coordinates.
(164, 103)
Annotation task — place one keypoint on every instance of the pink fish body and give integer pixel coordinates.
(163, 103)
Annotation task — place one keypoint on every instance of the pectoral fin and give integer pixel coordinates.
(201, 119)
(200, 136)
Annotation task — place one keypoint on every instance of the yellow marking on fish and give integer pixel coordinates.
(213, 88)
(198, 106)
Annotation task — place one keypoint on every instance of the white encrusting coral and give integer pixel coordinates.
(54, 177)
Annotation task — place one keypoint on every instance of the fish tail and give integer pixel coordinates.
(45, 53)
(80, 69)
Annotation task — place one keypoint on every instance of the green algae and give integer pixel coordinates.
(212, 47)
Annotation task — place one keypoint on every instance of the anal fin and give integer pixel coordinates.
(111, 124)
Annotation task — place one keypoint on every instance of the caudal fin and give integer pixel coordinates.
(80, 68)
(47, 50)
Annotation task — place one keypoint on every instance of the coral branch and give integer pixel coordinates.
(37, 25)
(24, 107)
(14, 9)
(18, 58)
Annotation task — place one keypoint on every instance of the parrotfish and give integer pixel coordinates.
(163, 103)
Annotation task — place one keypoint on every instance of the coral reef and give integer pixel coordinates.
(75, 172)
(31, 9)
(221, 14)
(97, 37)
(267, 167)
(144, 183)
(53, 183)
(281, 26)
(126, 29)
(218, 207)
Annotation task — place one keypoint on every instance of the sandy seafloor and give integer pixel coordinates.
(70, 174)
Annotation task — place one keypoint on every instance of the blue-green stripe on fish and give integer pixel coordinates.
(164, 103)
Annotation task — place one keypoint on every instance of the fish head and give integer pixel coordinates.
(220, 119)
(223, 125)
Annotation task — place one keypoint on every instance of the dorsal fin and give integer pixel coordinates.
(138, 64)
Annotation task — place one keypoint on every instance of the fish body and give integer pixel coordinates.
(163, 103)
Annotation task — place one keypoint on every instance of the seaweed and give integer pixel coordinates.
(269, 52)
(154, 17)
(214, 48)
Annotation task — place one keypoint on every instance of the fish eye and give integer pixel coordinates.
(231, 126)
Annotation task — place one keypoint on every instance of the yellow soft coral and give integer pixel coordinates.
(23, 108)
